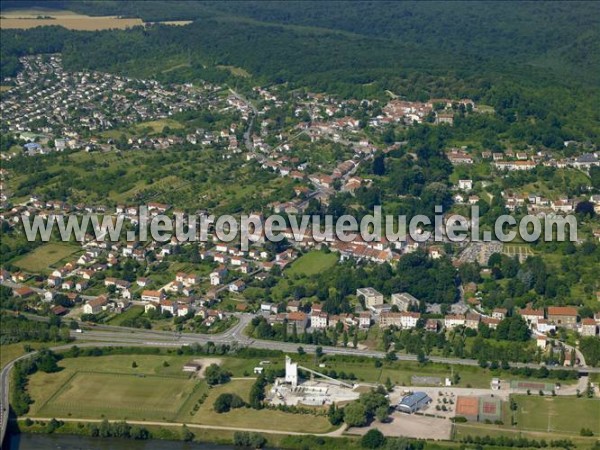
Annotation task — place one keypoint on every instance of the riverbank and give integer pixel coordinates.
(176, 434)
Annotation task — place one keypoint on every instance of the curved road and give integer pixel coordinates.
(104, 335)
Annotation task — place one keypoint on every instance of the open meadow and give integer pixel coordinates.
(312, 263)
(46, 256)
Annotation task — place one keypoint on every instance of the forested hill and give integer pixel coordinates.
(537, 59)
(561, 36)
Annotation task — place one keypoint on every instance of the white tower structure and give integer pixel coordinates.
(291, 372)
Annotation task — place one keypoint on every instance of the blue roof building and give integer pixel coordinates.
(413, 402)
(32, 146)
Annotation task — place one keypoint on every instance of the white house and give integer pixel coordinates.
(95, 305)
(465, 185)
(319, 320)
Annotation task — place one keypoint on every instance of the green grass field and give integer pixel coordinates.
(557, 414)
(262, 419)
(8, 352)
(312, 263)
(131, 313)
(46, 256)
(108, 386)
(157, 126)
(93, 395)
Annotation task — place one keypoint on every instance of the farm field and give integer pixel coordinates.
(312, 263)
(30, 18)
(46, 256)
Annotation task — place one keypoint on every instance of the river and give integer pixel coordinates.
(67, 442)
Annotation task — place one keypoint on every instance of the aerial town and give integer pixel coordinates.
(311, 339)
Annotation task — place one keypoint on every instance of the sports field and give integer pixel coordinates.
(45, 256)
(557, 414)
(312, 263)
(90, 394)
(108, 386)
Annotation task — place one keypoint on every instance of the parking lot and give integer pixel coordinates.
(411, 425)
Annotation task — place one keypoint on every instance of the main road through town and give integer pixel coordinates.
(103, 335)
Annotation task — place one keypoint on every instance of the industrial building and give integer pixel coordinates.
(413, 402)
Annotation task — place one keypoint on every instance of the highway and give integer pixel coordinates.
(104, 336)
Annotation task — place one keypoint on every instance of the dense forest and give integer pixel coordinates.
(537, 63)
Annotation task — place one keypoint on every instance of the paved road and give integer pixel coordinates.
(247, 139)
(104, 335)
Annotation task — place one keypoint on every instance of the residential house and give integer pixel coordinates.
(465, 185)
(499, 313)
(364, 320)
(81, 285)
(217, 277)
(23, 292)
(531, 316)
(565, 316)
(168, 306)
(319, 320)
(152, 296)
(399, 319)
(431, 325)
(299, 319)
(491, 322)
(53, 281)
(95, 305)
(453, 321)
(472, 320)
(588, 327)
(237, 286)
(541, 342)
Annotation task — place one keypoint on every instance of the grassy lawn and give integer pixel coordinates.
(479, 429)
(262, 419)
(559, 414)
(8, 352)
(109, 387)
(157, 126)
(312, 263)
(131, 313)
(119, 396)
(112, 387)
(46, 256)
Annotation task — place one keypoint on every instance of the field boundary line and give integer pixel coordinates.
(58, 391)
